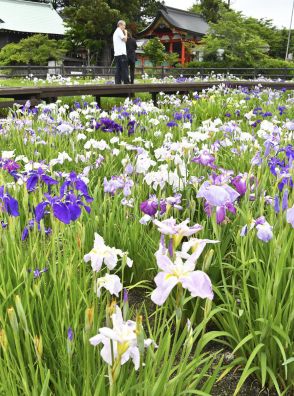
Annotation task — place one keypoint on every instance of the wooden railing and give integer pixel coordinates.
(32, 72)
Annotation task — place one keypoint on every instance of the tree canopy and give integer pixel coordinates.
(36, 49)
(231, 33)
(92, 22)
(244, 39)
(210, 9)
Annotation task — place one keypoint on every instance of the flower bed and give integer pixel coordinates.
(189, 203)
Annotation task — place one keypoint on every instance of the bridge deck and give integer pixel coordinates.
(37, 94)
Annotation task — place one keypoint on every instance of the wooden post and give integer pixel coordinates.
(183, 52)
(154, 98)
(98, 100)
(171, 45)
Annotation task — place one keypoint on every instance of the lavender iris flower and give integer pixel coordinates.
(221, 197)
(256, 160)
(290, 216)
(118, 183)
(206, 159)
(264, 229)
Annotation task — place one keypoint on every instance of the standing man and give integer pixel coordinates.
(131, 54)
(120, 37)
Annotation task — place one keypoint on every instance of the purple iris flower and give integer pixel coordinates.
(171, 124)
(3, 224)
(37, 272)
(206, 159)
(285, 200)
(178, 116)
(257, 110)
(10, 165)
(125, 296)
(277, 204)
(36, 176)
(240, 183)
(66, 209)
(151, 206)
(70, 334)
(108, 125)
(267, 114)
(131, 127)
(289, 151)
(8, 203)
(30, 226)
(281, 168)
(76, 183)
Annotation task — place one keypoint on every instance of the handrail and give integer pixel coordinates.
(32, 71)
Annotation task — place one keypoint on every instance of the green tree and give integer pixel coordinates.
(155, 51)
(172, 58)
(209, 9)
(91, 23)
(239, 43)
(268, 32)
(36, 49)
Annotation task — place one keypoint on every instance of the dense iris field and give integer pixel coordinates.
(137, 245)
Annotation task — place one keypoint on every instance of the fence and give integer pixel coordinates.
(159, 72)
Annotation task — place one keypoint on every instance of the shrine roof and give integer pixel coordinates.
(30, 17)
(180, 19)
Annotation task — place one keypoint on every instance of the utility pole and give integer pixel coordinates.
(229, 3)
(289, 34)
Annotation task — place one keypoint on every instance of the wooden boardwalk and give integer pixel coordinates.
(52, 93)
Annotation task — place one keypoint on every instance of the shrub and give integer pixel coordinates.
(36, 49)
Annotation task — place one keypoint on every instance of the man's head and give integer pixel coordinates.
(121, 24)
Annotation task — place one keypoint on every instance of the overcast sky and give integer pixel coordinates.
(277, 10)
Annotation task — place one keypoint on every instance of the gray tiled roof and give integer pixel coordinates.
(30, 17)
(184, 20)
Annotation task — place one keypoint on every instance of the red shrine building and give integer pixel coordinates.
(176, 28)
